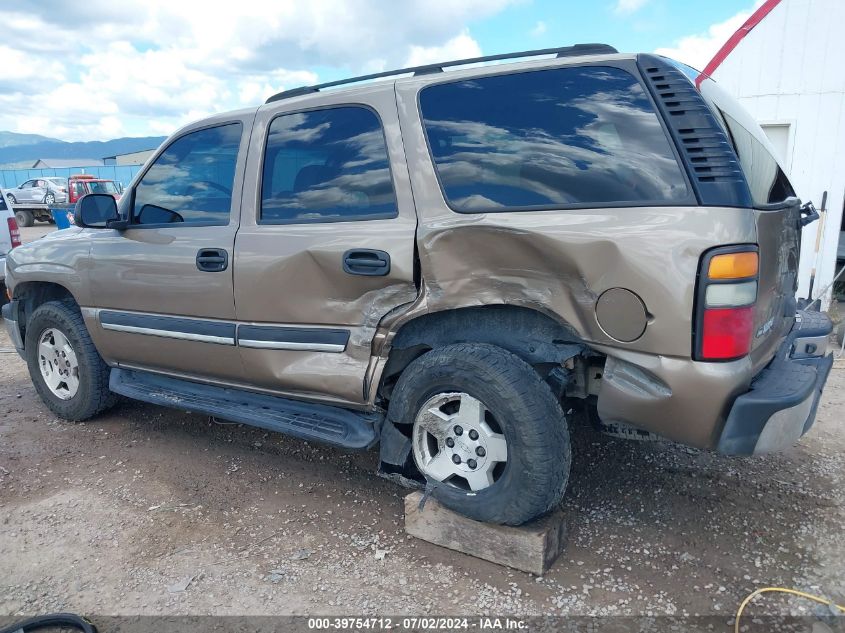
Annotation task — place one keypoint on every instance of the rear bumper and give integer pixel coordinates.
(781, 405)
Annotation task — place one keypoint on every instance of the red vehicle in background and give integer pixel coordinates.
(83, 184)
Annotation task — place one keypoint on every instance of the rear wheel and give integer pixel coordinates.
(50, 198)
(24, 217)
(65, 367)
(486, 431)
(11, 198)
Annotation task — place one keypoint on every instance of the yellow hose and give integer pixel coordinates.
(794, 592)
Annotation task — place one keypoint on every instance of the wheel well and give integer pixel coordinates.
(533, 336)
(32, 294)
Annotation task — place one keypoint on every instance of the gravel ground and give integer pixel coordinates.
(148, 510)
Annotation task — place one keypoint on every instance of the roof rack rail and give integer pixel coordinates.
(564, 51)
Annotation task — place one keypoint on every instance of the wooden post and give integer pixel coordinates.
(532, 547)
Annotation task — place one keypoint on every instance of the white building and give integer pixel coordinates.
(786, 65)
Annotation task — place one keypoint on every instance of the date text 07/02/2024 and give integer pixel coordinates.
(416, 623)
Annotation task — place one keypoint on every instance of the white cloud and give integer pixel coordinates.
(627, 7)
(697, 50)
(149, 66)
(459, 47)
(539, 29)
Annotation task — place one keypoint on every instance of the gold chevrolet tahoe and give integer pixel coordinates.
(444, 262)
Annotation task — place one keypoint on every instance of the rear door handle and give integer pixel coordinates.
(367, 262)
(212, 260)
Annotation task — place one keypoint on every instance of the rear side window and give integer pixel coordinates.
(584, 136)
(326, 165)
(191, 181)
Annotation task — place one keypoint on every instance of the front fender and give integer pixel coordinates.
(61, 260)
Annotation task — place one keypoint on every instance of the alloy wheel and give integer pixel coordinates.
(58, 363)
(456, 440)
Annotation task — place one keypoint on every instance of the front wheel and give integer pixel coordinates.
(65, 367)
(486, 431)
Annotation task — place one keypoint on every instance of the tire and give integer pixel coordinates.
(92, 395)
(24, 217)
(11, 198)
(533, 478)
(50, 198)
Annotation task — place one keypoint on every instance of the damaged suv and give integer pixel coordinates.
(445, 263)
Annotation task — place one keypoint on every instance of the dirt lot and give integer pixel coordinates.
(110, 516)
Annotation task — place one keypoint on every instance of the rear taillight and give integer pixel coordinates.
(727, 292)
(14, 232)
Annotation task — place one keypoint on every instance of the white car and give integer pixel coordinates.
(44, 190)
(10, 237)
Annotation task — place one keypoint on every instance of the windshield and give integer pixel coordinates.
(101, 186)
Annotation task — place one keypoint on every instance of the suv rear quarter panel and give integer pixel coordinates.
(561, 261)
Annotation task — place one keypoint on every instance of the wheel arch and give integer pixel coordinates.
(530, 334)
(29, 295)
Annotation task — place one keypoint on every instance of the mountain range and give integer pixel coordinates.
(21, 150)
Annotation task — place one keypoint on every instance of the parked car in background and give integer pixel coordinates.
(47, 190)
(56, 190)
(30, 192)
(10, 237)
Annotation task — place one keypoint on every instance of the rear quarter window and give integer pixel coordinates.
(766, 179)
(566, 137)
(768, 183)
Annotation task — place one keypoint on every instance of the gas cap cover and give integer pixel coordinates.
(621, 314)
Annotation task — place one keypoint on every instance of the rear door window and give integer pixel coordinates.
(328, 165)
(566, 137)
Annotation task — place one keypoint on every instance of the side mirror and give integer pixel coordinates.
(97, 211)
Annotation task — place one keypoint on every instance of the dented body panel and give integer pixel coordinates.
(293, 274)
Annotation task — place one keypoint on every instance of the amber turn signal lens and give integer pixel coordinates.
(733, 266)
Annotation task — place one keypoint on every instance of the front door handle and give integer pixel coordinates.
(212, 260)
(367, 262)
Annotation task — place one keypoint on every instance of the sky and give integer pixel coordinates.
(102, 69)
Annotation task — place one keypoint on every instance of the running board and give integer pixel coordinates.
(323, 423)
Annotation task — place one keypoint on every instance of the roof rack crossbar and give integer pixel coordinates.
(564, 51)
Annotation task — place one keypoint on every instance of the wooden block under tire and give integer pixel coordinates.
(532, 547)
